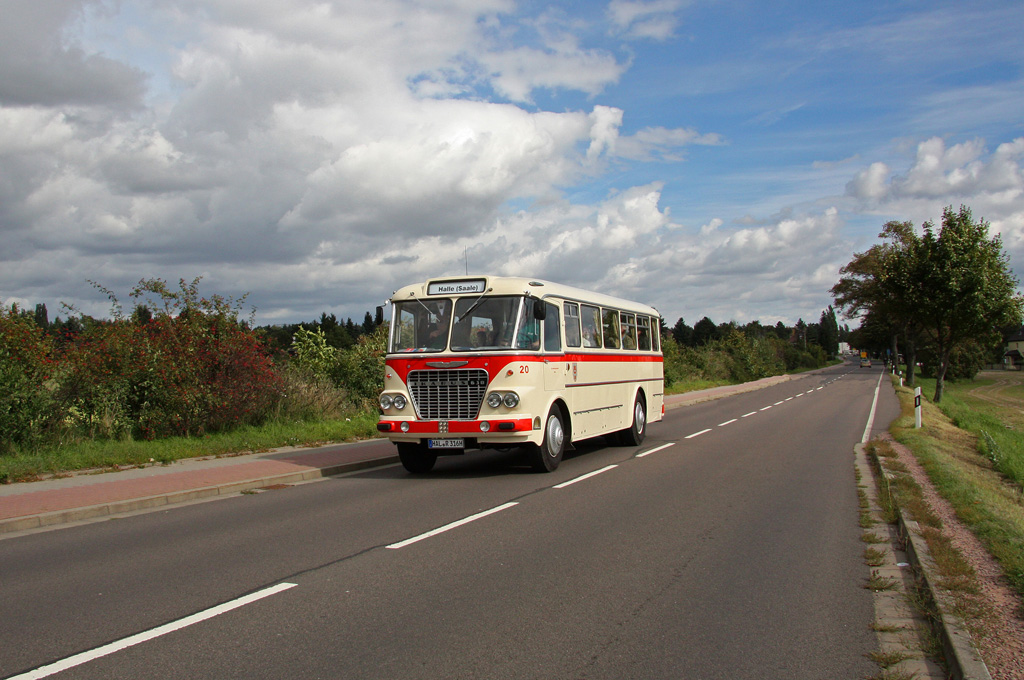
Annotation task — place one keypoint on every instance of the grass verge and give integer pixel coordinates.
(982, 492)
(112, 454)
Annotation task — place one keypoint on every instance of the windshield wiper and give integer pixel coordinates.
(476, 303)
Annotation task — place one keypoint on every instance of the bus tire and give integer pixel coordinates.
(634, 434)
(548, 454)
(416, 458)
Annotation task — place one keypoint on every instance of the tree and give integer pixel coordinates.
(829, 334)
(801, 333)
(682, 333)
(704, 331)
(882, 285)
(42, 317)
(971, 292)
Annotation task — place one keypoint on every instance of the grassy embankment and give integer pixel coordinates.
(972, 447)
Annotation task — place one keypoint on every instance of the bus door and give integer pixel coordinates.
(555, 367)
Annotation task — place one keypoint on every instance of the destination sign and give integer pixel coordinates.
(457, 287)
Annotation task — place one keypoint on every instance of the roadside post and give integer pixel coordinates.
(917, 407)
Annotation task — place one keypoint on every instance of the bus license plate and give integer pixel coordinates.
(446, 444)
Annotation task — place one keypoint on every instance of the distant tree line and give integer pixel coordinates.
(338, 334)
(710, 353)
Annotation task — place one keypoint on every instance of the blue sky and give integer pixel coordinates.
(709, 158)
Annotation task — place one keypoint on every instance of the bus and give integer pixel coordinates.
(501, 362)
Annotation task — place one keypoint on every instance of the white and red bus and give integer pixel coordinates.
(497, 362)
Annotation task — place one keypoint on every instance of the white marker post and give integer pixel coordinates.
(917, 407)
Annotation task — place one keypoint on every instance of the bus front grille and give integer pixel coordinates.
(448, 394)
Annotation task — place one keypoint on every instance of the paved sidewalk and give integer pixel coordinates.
(88, 495)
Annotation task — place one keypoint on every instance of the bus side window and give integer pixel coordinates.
(611, 328)
(591, 326)
(628, 322)
(572, 324)
(591, 317)
(656, 335)
(643, 330)
(552, 329)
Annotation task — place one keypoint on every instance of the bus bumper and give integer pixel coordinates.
(483, 430)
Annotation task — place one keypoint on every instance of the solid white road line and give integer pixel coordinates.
(586, 476)
(105, 650)
(448, 527)
(871, 414)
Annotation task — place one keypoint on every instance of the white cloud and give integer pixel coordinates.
(870, 183)
(660, 143)
(636, 19)
(941, 175)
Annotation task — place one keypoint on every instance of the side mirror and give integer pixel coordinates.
(540, 311)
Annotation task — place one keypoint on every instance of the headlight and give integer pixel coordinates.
(386, 401)
(511, 400)
(494, 400)
(399, 402)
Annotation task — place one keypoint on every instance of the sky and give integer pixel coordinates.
(707, 157)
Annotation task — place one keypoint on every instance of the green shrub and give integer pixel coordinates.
(360, 369)
(313, 354)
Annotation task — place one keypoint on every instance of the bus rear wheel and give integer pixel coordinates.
(548, 455)
(416, 458)
(634, 434)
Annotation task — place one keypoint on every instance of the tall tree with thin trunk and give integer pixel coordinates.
(968, 289)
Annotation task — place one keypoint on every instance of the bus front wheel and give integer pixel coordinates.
(548, 455)
(416, 458)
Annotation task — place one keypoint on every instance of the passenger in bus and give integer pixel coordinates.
(644, 340)
(484, 338)
(572, 333)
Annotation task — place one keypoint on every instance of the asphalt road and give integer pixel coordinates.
(732, 552)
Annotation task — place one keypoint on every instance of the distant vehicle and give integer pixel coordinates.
(865, 362)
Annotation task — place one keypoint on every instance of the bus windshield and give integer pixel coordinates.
(480, 324)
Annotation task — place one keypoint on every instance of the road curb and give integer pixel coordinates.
(962, 657)
(111, 509)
